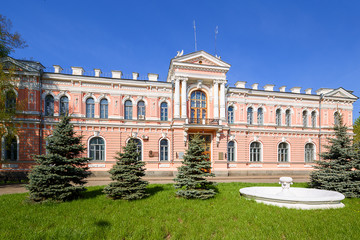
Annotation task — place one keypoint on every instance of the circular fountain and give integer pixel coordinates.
(299, 198)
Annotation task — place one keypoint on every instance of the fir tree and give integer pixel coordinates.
(338, 170)
(127, 173)
(60, 173)
(191, 180)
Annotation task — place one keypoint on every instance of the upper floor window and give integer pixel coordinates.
(197, 106)
(49, 105)
(255, 152)
(287, 118)
(230, 114)
(163, 111)
(90, 108)
(10, 148)
(231, 151)
(313, 119)
(10, 102)
(336, 118)
(97, 149)
(104, 108)
(305, 118)
(164, 150)
(64, 105)
(141, 110)
(250, 115)
(283, 152)
(260, 116)
(278, 117)
(128, 110)
(309, 152)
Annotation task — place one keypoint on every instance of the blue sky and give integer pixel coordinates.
(310, 44)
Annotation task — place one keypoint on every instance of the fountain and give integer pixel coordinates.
(299, 198)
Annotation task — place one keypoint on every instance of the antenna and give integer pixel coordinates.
(195, 36)
(216, 32)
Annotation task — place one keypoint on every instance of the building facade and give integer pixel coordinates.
(247, 130)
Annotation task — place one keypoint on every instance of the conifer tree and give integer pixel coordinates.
(338, 170)
(191, 180)
(60, 174)
(127, 173)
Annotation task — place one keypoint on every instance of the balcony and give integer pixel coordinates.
(204, 121)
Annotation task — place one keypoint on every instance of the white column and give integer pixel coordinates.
(183, 98)
(177, 99)
(222, 101)
(216, 100)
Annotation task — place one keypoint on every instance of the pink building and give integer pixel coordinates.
(247, 130)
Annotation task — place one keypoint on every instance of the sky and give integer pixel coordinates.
(309, 44)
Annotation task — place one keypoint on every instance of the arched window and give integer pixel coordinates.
(138, 148)
(313, 119)
(10, 148)
(336, 118)
(104, 108)
(97, 149)
(260, 116)
(49, 105)
(197, 106)
(250, 115)
(163, 111)
(305, 119)
(231, 151)
(164, 150)
(128, 110)
(90, 108)
(255, 152)
(288, 118)
(283, 152)
(10, 102)
(309, 153)
(64, 105)
(230, 114)
(278, 117)
(141, 110)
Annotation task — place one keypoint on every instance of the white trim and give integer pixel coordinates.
(194, 87)
(88, 147)
(141, 98)
(142, 146)
(168, 141)
(128, 98)
(261, 150)
(309, 142)
(235, 151)
(289, 152)
(3, 146)
(61, 94)
(47, 92)
(102, 96)
(89, 95)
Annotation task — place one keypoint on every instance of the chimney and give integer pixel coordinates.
(77, 70)
(97, 72)
(135, 75)
(57, 69)
(295, 89)
(116, 74)
(308, 90)
(282, 88)
(153, 76)
(323, 90)
(240, 84)
(255, 86)
(269, 87)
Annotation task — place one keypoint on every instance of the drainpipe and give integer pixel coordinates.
(172, 122)
(41, 125)
(320, 100)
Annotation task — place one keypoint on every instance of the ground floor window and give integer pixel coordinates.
(164, 150)
(138, 148)
(10, 148)
(283, 152)
(231, 151)
(255, 152)
(309, 152)
(97, 149)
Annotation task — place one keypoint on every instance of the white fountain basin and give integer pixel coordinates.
(299, 198)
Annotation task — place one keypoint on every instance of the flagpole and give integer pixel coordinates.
(195, 36)
(216, 32)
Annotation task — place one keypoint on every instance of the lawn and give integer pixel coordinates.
(163, 216)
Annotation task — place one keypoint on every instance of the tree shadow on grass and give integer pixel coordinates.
(92, 193)
(152, 190)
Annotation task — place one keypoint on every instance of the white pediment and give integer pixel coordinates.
(201, 58)
(340, 92)
(9, 62)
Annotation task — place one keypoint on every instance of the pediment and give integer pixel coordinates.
(16, 65)
(201, 58)
(340, 92)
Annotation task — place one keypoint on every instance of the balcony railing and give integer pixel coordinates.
(204, 121)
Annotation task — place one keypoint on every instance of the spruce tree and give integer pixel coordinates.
(127, 173)
(60, 174)
(191, 180)
(338, 170)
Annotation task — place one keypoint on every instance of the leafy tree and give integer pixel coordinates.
(127, 173)
(191, 180)
(338, 170)
(60, 174)
(356, 130)
(8, 40)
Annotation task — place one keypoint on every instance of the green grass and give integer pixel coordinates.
(163, 216)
